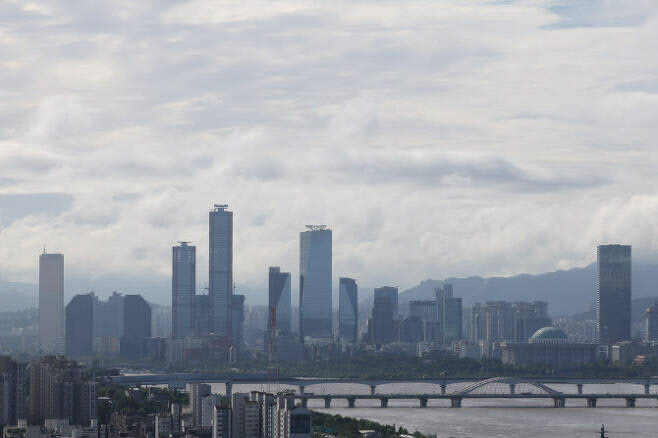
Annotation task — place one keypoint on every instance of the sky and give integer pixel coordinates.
(435, 138)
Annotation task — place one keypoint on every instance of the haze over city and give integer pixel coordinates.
(444, 139)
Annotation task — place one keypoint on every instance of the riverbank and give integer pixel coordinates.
(339, 426)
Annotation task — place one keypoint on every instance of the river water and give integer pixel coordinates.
(535, 418)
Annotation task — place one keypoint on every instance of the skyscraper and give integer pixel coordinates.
(315, 282)
(136, 326)
(380, 326)
(221, 269)
(237, 318)
(613, 303)
(279, 300)
(348, 309)
(651, 323)
(80, 325)
(183, 290)
(392, 293)
(51, 302)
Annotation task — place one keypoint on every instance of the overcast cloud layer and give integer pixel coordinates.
(435, 138)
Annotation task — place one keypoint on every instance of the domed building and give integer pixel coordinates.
(548, 345)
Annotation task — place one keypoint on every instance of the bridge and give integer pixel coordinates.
(477, 388)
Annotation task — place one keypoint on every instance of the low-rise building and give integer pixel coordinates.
(548, 345)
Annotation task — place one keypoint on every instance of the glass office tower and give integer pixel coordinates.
(183, 289)
(348, 309)
(221, 269)
(613, 304)
(315, 299)
(279, 300)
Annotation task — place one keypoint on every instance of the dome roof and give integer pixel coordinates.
(549, 334)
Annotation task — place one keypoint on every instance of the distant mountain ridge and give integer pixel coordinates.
(567, 292)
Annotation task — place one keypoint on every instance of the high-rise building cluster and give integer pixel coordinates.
(242, 415)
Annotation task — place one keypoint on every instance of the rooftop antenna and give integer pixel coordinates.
(316, 227)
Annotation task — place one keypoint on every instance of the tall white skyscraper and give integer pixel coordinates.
(183, 289)
(221, 269)
(51, 303)
(279, 300)
(315, 282)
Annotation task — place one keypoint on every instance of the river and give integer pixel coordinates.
(536, 418)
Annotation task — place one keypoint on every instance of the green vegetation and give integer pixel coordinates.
(339, 426)
(142, 401)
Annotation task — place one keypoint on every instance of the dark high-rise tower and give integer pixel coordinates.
(221, 269)
(348, 309)
(136, 325)
(80, 325)
(183, 289)
(279, 300)
(613, 304)
(315, 299)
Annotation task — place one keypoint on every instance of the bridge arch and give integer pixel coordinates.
(509, 381)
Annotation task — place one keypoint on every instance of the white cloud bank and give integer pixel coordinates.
(435, 138)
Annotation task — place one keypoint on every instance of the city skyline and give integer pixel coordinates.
(417, 121)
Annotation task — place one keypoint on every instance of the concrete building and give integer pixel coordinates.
(390, 292)
(202, 315)
(246, 412)
(183, 290)
(108, 319)
(381, 325)
(61, 389)
(315, 274)
(411, 330)
(451, 319)
(221, 420)
(613, 302)
(423, 309)
(497, 321)
(548, 345)
(651, 323)
(196, 392)
(348, 309)
(80, 325)
(221, 269)
(528, 318)
(51, 303)
(279, 300)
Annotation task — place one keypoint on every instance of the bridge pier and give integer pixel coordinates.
(591, 402)
(455, 402)
(512, 388)
(327, 402)
(351, 401)
(443, 389)
(229, 389)
(373, 388)
(304, 402)
(384, 402)
(630, 402)
(559, 402)
(423, 402)
(580, 388)
(647, 388)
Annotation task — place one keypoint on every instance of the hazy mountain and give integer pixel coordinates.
(18, 296)
(567, 292)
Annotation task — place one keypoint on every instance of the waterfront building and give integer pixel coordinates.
(348, 309)
(80, 325)
(548, 345)
(61, 389)
(380, 326)
(390, 292)
(183, 290)
(196, 392)
(613, 303)
(451, 319)
(221, 269)
(51, 303)
(497, 321)
(237, 318)
(136, 326)
(13, 391)
(651, 323)
(315, 300)
(279, 300)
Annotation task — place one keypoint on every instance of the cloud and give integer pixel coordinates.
(445, 139)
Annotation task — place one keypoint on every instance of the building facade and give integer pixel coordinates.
(51, 303)
(221, 269)
(315, 293)
(237, 319)
(348, 309)
(80, 325)
(613, 303)
(183, 290)
(548, 345)
(390, 292)
(279, 300)
(136, 326)
(651, 323)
